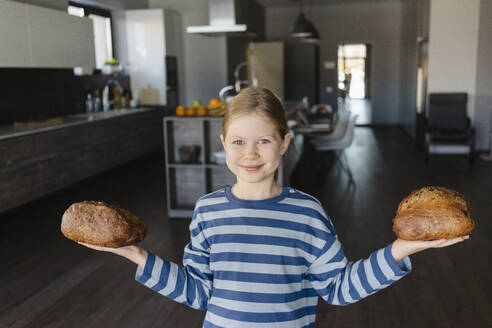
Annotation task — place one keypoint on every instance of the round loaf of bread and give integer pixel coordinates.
(102, 224)
(432, 213)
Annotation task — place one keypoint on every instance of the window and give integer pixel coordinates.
(101, 20)
(352, 70)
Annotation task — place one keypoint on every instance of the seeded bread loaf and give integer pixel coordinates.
(432, 213)
(102, 224)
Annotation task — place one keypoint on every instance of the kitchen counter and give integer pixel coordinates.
(38, 161)
(9, 131)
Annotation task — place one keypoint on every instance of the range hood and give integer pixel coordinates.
(232, 18)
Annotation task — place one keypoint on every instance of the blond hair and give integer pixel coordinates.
(260, 101)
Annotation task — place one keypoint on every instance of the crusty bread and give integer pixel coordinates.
(433, 213)
(102, 224)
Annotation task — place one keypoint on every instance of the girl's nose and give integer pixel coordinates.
(251, 150)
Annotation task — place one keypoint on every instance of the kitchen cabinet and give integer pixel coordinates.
(187, 182)
(59, 39)
(14, 35)
(40, 161)
(33, 36)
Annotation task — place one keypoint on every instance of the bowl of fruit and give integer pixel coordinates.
(216, 107)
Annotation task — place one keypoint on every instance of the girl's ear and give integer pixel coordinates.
(285, 143)
(222, 140)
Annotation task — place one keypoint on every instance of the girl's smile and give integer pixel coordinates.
(251, 167)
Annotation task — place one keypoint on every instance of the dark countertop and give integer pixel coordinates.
(70, 120)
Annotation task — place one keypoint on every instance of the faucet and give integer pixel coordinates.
(224, 90)
(239, 83)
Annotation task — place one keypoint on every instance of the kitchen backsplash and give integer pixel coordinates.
(30, 94)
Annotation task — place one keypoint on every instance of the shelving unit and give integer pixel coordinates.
(186, 182)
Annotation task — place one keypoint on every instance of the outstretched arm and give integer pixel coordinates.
(190, 284)
(341, 282)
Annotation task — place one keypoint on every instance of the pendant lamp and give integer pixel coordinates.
(314, 37)
(301, 28)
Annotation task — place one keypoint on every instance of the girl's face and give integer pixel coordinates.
(253, 148)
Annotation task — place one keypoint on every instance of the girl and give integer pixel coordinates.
(260, 254)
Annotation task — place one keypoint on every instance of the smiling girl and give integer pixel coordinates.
(260, 254)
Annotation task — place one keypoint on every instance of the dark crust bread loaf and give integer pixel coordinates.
(432, 213)
(102, 224)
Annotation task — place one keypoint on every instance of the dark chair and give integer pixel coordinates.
(448, 127)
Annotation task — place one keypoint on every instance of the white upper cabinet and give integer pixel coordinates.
(40, 37)
(59, 39)
(14, 35)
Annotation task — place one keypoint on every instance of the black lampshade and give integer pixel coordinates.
(302, 27)
(314, 37)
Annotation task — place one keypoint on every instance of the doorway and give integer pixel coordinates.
(354, 80)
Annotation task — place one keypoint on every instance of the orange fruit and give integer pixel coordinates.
(201, 111)
(191, 111)
(180, 110)
(214, 102)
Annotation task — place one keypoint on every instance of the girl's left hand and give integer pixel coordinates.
(402, 248)
(134, 253)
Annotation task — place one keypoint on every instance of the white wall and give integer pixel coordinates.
(483, 97)
(205, 63)
(408, 73)
(204, 68)
(453, 44)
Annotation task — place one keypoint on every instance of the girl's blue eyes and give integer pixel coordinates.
(240, 142)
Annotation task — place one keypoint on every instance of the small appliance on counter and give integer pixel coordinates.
(148, 96)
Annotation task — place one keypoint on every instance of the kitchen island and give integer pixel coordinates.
(40, 160)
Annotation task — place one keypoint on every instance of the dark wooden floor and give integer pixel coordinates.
(49, 281)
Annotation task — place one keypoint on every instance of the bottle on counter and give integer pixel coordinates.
(116, 97)
(105, 98)
(124, 102)
(88, 103)
(97, 101)
(128, 99)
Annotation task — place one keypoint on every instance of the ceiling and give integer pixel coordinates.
(187, 6)
(296, 3)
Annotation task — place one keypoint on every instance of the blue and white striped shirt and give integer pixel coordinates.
(263, 263)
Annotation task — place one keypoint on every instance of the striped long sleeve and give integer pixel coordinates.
(262, 264)
(340, 282)
(190, 284)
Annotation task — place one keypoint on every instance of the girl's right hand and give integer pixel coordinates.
(134, 253)
(118, 250)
